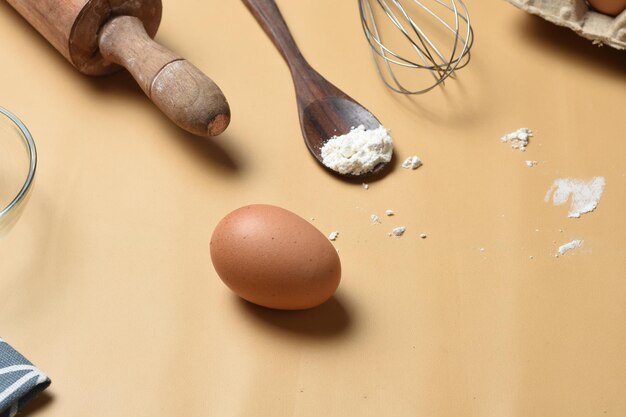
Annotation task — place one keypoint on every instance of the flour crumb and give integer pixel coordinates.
(518, 139)
(333, 236)
(389, 213)
(423, 235)
(375, 219)
(398, 231)
(569, 246)
(531, 164)
(412, 162)
(531, 257)
(482, 249)
(585, 194)
(366, 186)
(358, 151)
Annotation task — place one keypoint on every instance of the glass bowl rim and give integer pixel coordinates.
(32, 156)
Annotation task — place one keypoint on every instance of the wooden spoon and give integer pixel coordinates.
(325, 111)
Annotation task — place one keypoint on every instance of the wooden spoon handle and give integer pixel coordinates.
(268, 15)
(187, 96)
(310, 85)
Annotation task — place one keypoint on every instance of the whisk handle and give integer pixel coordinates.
(271, 20)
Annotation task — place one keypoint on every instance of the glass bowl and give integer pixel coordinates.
(18, 161)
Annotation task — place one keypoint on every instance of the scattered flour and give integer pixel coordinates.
(518, 139)
(366, 186)
(358, 151)
(531, 164)
(389, 212)
(423, 235)
(569, 246)
(585, 194)
(333, 236)
(412, 162)
(375, 219)
(398, 231)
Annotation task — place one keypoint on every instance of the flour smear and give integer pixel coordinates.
(563, 249)
(584, 194)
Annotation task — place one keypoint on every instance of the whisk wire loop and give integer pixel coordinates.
(428, 55)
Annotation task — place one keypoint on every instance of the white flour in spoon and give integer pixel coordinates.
(585, 194)
(358, 151)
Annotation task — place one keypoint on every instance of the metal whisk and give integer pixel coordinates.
(440, 53)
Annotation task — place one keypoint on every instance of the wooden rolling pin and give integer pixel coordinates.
(95, 35)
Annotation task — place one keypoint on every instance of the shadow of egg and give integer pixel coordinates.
(329, 320)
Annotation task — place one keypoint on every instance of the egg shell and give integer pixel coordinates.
(274, 258)
(609, 7)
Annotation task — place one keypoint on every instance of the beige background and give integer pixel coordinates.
(107, 284)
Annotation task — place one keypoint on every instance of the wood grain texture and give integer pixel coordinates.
(123, 40)
(83, 41)
(72, 26)
(53, 19)
(95, 35)
(191, 99)
(187, 96)
(107, 284)
(324, 110)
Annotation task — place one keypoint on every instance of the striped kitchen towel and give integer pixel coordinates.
(19, 380)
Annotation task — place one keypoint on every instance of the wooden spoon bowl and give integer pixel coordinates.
(334, 116)
(325, 111)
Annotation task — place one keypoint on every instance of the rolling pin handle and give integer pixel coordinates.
(187, 96)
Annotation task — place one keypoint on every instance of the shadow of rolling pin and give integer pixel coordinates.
(95, 35)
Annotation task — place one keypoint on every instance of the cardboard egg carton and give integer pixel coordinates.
(578, 16)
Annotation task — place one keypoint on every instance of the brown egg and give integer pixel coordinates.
(274, 258)
(610, 7)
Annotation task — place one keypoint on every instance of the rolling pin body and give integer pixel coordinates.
(72, 26)
(97, 35)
